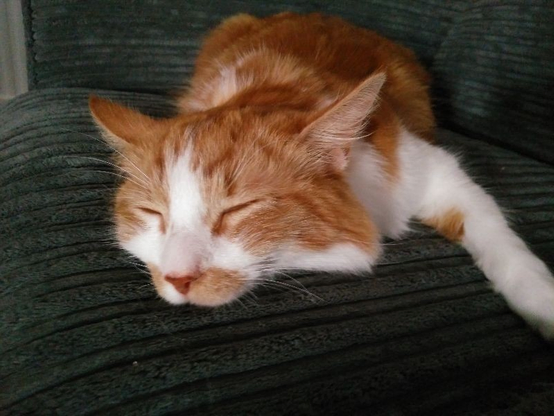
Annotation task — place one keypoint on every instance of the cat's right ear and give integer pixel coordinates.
(121, 126)
(337, 127)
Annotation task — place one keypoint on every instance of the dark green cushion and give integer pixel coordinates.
(150, 45)
(492, 62)
(82, 331)
(494, 75)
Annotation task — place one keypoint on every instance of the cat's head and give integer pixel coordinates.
(215, 201)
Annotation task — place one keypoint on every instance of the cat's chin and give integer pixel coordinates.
(175, 298)
(172, 296)
(202, 295)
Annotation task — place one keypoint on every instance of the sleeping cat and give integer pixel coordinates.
(301, 142)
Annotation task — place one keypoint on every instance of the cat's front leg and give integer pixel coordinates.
(462, 211)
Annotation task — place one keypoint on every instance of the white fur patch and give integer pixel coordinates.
(344, 257)
(186, 206)
(147, 245)
(171, 295)
(184, 252)
(230, 255)
(372, 187)
(228, 86)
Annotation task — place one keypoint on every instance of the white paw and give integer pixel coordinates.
(533, 298)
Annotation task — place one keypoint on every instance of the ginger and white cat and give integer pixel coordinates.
(301, 142)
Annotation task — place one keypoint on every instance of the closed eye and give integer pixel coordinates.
(157, 214)
(239, 207)
(149, 211)
(218, 226)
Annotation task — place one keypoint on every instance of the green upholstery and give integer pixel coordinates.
(81, 329)
(424, 333)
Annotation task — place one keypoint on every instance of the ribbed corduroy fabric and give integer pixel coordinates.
(150, 45)
(81, 330)
(494, 75)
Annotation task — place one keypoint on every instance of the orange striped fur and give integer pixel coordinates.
(264, 106)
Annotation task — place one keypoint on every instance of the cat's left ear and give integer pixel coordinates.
(124, 127)
(344, 122)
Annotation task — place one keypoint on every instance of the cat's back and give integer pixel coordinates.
(326, 42)
(341, 54)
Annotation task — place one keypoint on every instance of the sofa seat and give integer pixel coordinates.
(84, 333)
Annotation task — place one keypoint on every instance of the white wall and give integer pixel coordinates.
(13, 69)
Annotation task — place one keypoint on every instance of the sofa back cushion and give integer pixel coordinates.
(494, 75)
(492, 61)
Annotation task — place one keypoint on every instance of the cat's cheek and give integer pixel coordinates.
(146, 244)
(217, 287)
(230, 254)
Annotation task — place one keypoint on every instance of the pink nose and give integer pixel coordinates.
(180, 282)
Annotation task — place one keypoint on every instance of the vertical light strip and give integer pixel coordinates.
(13, 69)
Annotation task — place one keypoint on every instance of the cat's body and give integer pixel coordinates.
(301, 142)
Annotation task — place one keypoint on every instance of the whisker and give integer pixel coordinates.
(119, 176)
(299, 289)
(111, 147)
(285, 287)
(292, 278)
(240, 302)
(138, 266)
(113, 165)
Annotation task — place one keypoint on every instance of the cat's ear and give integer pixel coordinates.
(344, 122)
(123, 127)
